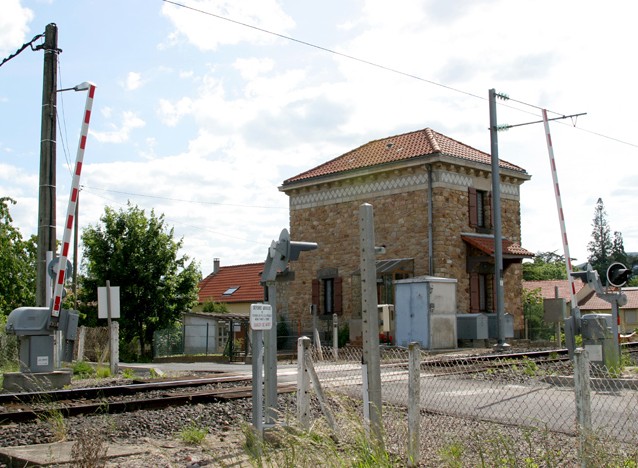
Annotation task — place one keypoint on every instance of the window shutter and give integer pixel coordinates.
(471, 194)
(474, 293)
(315, 293)
(338, 299)
(488, 220)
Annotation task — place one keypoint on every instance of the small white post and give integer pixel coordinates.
(414, 403)
(335, 337)
(303, 383)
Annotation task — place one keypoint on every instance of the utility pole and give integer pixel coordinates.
(46, 203)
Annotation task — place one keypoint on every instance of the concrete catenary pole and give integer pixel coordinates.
(46, 197)
(496, 216)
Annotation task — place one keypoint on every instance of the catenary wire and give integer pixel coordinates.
(392, 70)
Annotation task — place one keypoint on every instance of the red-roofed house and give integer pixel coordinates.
(589, 302)
(432, 206)
(238, 287)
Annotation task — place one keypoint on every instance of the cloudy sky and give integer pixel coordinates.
(202, 110)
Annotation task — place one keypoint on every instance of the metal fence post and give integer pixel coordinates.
(414, 403)
(303, 383)
(582, 395)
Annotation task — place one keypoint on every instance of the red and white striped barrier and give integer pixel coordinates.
(56, 303)
(559, 207)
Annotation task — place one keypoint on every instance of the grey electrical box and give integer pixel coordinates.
(492, 324)
(31, 326)
(598, 339)
(471, 326)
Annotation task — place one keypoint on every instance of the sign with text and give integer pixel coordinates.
(260, 316)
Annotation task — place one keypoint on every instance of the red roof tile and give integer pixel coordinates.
(486, 244)
(547, 288)
(243, 277)
(399, 148)
(596, 303)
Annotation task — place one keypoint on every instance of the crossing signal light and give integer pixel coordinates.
(618, 274)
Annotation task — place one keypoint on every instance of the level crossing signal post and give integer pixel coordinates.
(276, 270)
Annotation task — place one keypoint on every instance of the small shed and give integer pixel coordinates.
(208, 333)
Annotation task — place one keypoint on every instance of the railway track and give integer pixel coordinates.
(21, 407)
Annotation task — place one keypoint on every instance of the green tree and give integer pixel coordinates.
(138, 254)
(17, 263)
(546, 266)
(533, 311)
(600, 247)
(618, 253)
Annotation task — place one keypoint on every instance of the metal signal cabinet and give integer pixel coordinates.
(425, 312)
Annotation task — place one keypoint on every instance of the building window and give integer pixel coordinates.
(327, 296)
(478, 208)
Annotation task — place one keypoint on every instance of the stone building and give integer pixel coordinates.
(432, 212)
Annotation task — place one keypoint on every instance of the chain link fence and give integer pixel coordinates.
(488, 408)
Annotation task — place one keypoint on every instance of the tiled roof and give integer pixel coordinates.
(590, 302)
(547, 288)
(596, 303)
(243, 277)
(486, 244)
(400, 148)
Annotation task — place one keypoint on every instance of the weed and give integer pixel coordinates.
(56, 422)
(128, 373)
(452, 454)
(103, 372)
(83, 370)
(89, 450)
(193, 434)
(530, 368)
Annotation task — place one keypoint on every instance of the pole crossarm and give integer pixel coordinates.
(563, 117)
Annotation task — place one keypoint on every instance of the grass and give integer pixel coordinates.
(193, 434)
(82, 370)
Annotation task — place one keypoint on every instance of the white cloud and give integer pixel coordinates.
(251, 68)
(130, 121)
(133, 81)
(14, 22)
(171, 113)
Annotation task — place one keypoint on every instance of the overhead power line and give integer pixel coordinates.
(24, 46)
(389, 69)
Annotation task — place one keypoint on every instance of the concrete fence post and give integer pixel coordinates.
(335, 337)
(114, 347)
(582, 395)
(303, 382)
(81, 343)
(414, 403)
